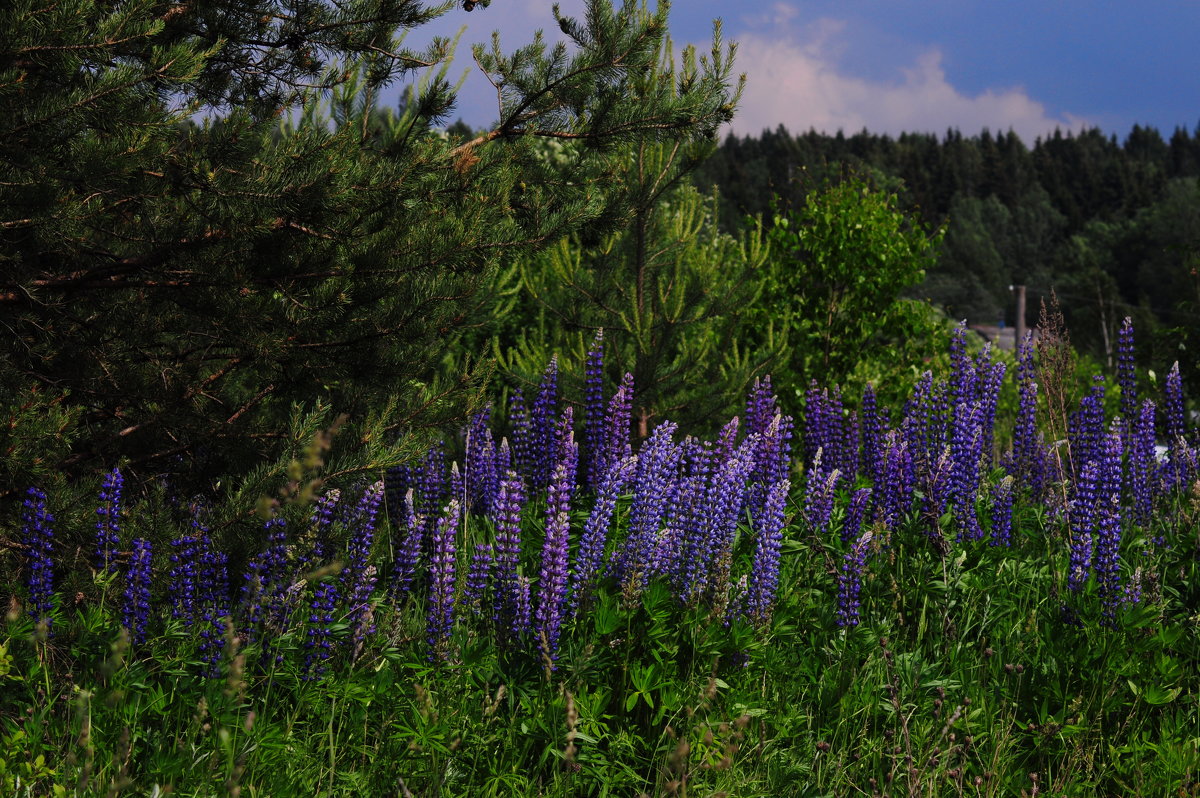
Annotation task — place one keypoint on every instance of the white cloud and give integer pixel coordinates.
(793, 79)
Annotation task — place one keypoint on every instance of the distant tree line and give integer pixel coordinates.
(1112, 226)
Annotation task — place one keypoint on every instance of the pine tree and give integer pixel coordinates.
(207, 220)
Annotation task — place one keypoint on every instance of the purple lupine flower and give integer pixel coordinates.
(685, 515)
(1086, 424)
(1108, 537)
(458, 483)
(135, 607)
(318, 641)
(108, 538)
(38, 535)
(552, 577)
(1002, 510)
(849, 464)
(566, 450)
(441, 584)
(322, 519)
(764, 573)
(1179, 464)
(893, 494)
(507, 517)
(824, 428)
(432, 483)
(593, 414)
(962, 370)
(359, 576)
(520, 432)
(1028, 457)
(542, 419)
(710, 571)
(849, 581)
(1127, 372)
(1142, 464)
(616, 430)
(819, 492)
(761, 406)
(1174, 400)
(397, 482)
(966, 449)
(262, 590)
(479, 577)
(480, 462)
(927, 423)
(856, 511)
(212, 596)
(871, 431)
(658, 462)
(408, 550)
(989, 378)
(938, 490)
(595, 530)
(726, 441)
(1083, 517)
(184, 574)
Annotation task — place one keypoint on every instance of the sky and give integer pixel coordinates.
(893, 66)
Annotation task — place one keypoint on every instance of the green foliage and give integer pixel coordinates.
(840, 264)
(670, 291)
(181, 267)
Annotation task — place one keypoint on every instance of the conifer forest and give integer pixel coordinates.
(348, 450)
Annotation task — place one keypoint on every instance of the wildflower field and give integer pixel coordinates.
(869, 600)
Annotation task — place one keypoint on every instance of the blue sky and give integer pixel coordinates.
(920, 65)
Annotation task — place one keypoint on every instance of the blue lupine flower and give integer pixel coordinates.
(893, 494)
(1180, 456)
(507, 517)
(1086, 426)
(212, 598)
(1127, 371)
(520, 433)
(38, 534)
(409, 549)
(542, 417)
(184, 575)
(871, 430)
(264, 580)
(658, 462)
(1142, 464)
(819, 493)
(966, 449)
(108, 539)
(318, 641)
(616, 429)
(1083, 518)
(479, 577)
(480, 463)
(552, 578)
(441, 584)
(593, 415)
(1002, 510)
(358, 576)
(595, 530)
(709, 572)
(135, 607)
(322, 519)
(764, 573)
(849, 581)
(856, 511)
(1108, 538)
(1028, 457)
(989, 378)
